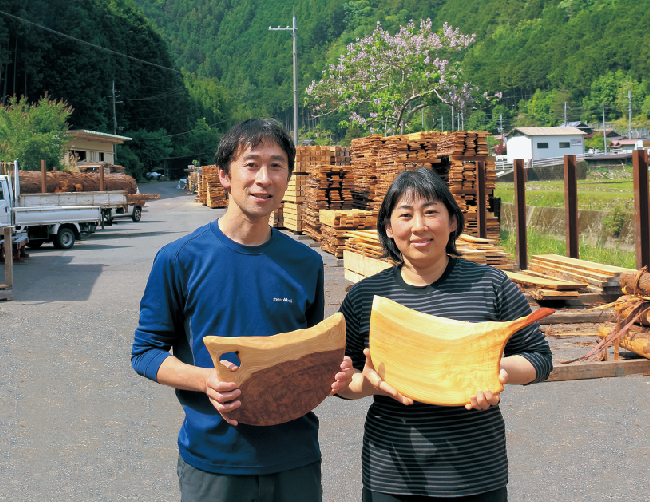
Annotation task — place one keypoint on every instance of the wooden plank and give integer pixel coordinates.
(363, 265)
(599, 369)
(549, 294)
(544, 282)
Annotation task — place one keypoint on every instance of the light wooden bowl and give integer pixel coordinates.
(436, 360)
(282, 377)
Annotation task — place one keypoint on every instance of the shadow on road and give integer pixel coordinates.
(48, 280)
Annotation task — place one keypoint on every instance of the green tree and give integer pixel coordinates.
(150, 147)
(31, 133)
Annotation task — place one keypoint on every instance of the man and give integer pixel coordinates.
(223, 280)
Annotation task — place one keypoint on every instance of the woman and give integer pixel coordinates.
(414, 451)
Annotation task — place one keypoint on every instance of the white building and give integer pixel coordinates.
(92, 147)
(538, 143)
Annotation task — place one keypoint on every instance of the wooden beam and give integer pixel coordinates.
(571, 206)
(101, 177)
(521, 246)
(577, 318)
(481, 217)
(599, 369)
(641, 207)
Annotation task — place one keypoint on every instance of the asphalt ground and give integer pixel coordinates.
(77, 423)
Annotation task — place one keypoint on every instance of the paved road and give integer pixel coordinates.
(76, 423)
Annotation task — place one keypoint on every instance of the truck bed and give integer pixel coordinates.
(49, 215)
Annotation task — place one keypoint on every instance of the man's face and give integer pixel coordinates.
(258, 178)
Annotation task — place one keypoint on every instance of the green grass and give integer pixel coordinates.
(544, 244)
(601, 195)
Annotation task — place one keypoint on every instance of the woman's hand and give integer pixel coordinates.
(223, 395)
(343, 378)
(371, 376)
(483, 400)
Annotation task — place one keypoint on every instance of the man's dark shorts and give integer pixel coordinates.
(298, 485)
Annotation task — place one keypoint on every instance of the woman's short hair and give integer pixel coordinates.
(251, 133)
(421, 183)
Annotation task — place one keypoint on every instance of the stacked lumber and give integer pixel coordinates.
(292, 215)
(308, 157)
(336, 224)
(363, 160)
(402, 153)
(357, 266)
(276, 220)
(67, 181)
(484, 251)
(598, 278)
(329, 186)
(214, 192)
(292, 202)
(468, 143)
(542, 287)
(193, 181)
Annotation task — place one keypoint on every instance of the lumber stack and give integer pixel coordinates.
(328, 186)
(292, 202)
(365, 243)
(336, 224)
(598, 278)
(358, 266)
(194, 181)
(363, 160)
(214, 192)
(308, 157)
(276, 220)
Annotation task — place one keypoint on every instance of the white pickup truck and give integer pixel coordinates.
(62, 225)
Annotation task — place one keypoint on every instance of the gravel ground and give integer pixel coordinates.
(77, 423)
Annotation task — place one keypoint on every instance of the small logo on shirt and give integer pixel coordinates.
(287, 300)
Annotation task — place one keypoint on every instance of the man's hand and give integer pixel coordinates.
(372, 377)
(223, 395)
(483, 400)
(343, 378)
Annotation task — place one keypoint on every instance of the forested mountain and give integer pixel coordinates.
(561, 47)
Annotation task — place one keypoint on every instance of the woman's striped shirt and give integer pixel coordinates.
(431, 450)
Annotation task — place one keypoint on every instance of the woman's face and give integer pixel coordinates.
(420, 229)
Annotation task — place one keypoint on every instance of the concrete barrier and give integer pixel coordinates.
(551, 220)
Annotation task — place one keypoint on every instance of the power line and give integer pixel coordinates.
(88, 43)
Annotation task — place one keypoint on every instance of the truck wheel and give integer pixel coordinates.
(64, 239)
(34, 244)
(137, 213)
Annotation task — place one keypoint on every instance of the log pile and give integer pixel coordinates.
(213, 193)
(67, 181)
(632, 318)
(336, 224)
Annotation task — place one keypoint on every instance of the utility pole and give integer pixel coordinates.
(114, 114)
(442, 123)
(452, 118)
(565, 124)
(422, 110)
(629, 97)
(604, 131)
(462, 121)
(294, 31)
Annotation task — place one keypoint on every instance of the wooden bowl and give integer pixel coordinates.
(285, 376)
(436, 360)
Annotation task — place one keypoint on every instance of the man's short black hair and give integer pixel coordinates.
(421, 183)
(251, 133)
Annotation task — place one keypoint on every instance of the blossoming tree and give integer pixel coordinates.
(389, 78)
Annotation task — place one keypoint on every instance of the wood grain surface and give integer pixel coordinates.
(436, 360)
(285, 376)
